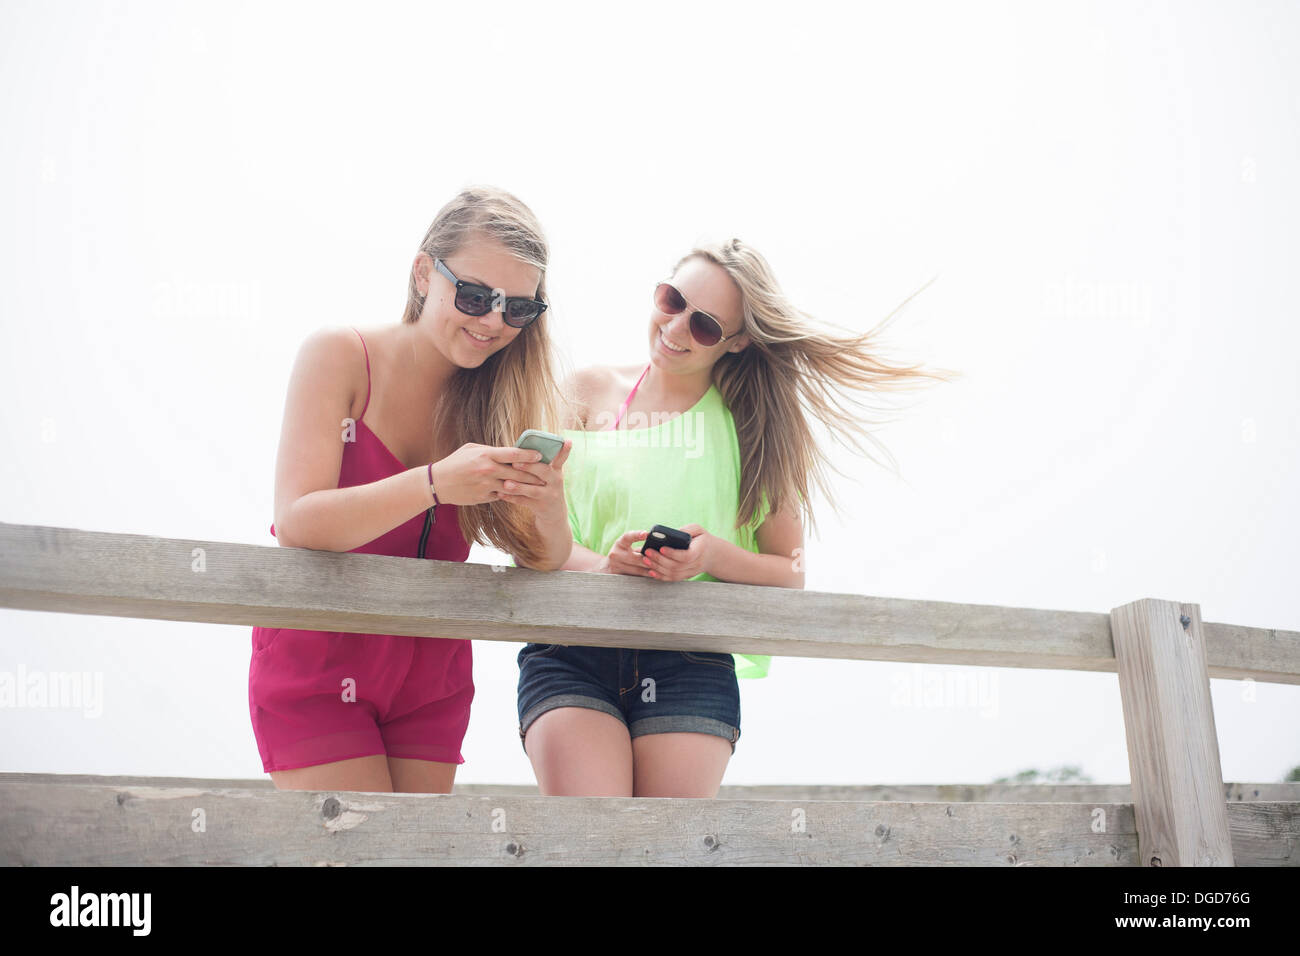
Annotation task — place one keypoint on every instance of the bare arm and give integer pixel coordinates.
(557, 543)
(584, 559)
(779, 564)
(311, 511)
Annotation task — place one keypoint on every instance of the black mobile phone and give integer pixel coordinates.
(662, 535)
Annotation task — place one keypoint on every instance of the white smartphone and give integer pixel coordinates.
(549, 445)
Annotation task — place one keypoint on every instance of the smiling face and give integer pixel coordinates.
(466, 340)
(707, 288)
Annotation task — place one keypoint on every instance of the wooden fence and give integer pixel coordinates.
(1178, 811)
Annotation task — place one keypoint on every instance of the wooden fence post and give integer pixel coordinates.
(1173, 750)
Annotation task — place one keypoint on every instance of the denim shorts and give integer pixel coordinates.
(652, 692)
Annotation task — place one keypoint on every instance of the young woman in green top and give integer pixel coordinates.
(712, 436)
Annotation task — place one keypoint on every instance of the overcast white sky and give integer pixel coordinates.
(1108, 194)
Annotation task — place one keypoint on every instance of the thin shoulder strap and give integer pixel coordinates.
(367, 351)
(628, 401)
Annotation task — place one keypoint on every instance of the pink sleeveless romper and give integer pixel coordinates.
(412, 694)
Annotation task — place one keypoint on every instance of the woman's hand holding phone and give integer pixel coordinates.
(622, 559)
(674, 564)
(475, 474)
(540, 488)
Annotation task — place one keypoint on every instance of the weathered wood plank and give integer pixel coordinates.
(114, 826)
(1173, 749)
(1237, 652)
(872, 793)
(140, 576)
(111, 826)
(1265, 833)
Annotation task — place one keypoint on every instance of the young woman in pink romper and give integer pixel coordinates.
(449, 389)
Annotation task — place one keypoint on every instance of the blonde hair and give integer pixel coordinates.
(790, 370)
(515, 387)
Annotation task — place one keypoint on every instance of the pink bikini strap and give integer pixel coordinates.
(627, 401)
(367, 351)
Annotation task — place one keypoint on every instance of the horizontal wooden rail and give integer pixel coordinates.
(874, 793)
(140, 576)
(118, 825)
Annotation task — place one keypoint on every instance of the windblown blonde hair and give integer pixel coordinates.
(515, 387)
(792, 369)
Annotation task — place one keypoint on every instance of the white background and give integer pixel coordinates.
(1108, 195)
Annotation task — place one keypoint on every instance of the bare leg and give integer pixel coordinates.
(360, 773)
(421, 776)
(679, 764)
(577, 752)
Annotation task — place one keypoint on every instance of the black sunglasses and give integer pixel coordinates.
(705, 329)
(476, 300)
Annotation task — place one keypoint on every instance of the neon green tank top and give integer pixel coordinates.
(685, 470)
